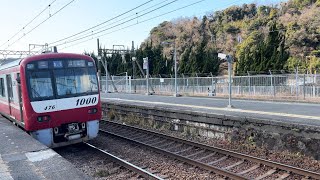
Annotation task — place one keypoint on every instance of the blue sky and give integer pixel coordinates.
(83, 14)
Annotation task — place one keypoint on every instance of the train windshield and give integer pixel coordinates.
(75, 81)
(58, 78)
(40, 84)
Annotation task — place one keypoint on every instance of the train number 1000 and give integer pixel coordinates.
(86, 101)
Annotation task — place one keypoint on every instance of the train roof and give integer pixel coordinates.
(12, 62)
(9, 62)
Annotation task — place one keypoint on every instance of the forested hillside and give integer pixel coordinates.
(261, 38)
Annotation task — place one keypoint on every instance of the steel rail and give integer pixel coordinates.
(184, 159)
(127, 165)
(269, 163)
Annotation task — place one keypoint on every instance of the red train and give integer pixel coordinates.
(55, 97)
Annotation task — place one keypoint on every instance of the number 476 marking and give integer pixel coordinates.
(50, 107)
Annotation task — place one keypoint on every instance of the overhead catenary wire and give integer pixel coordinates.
(208, 11)
(41, 23)
(135, 24)
(127, 17)
(197, 2)
(117, 24)
(102, 22)
(91, 32)
(48, 6)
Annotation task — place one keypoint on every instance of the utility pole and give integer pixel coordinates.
(99, 63)
(106, 68)
(133, 66)
(175, 71)
(175, 66)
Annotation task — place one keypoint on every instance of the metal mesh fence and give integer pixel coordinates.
(296, 86)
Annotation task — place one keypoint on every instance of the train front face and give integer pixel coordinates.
(61, 98)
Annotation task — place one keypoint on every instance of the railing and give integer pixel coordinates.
(287, 86)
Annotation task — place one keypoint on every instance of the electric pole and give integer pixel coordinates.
(99, 63)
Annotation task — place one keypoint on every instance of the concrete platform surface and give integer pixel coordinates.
(22, 157)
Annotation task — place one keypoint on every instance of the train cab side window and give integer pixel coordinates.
(2, 88)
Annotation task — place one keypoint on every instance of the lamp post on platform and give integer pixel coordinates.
(229, 59)
(146, 67)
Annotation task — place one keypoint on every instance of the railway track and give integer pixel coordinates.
(98, 163)
(138, 172)
(221, 161)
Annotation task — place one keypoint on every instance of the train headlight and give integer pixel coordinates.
(92, 111)
(43, 118)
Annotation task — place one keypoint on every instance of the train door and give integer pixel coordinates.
(20, 97)
(10, 93)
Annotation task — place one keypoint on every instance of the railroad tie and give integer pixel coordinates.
(270, 172)
(168, 144)
(209, 155)
(158, 142)
(250, 169)
(196, 153)
(233, 165)
(139, 136)
(283, 176)
(184, 150)
(149, 140)
(127, 134)
(216, 161)
(179, 145)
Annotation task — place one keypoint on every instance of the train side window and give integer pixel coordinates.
(9, 83)
(2, 88)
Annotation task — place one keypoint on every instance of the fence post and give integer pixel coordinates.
(193, 86)
(106, 68)
(249, 78)
(198, 89)
(148, 80)
(315, 83)
(297, 83)
(184, 83)
(127, 84)
(241, 88)
(313, 86)
(212, 86)
(304, 85)
(272, 84)
(130, 88)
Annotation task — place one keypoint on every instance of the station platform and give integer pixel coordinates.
(284, 112)
(24, 158)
